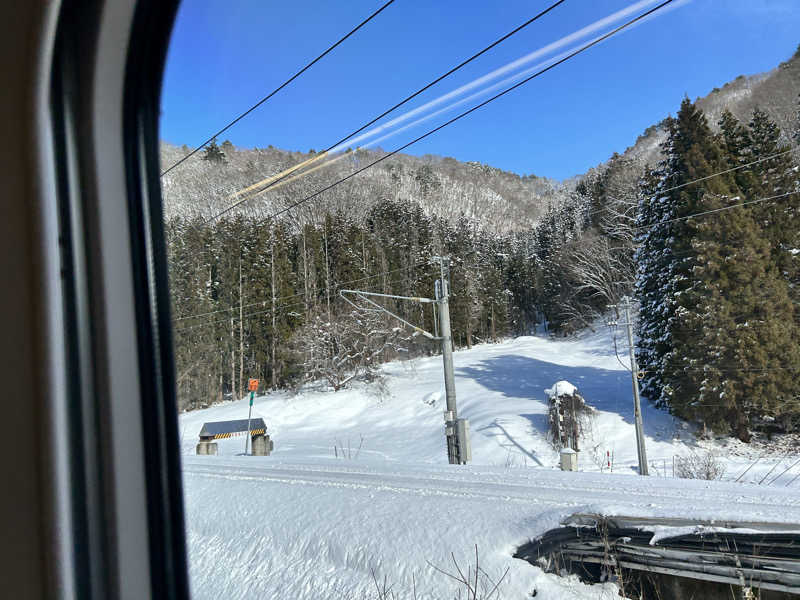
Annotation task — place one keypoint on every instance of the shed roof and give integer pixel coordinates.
(240, 425)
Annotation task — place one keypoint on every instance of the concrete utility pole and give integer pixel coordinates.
(451, 415)
(625, 304)
(459, 450)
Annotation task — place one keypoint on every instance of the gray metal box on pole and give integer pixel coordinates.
(462, 439)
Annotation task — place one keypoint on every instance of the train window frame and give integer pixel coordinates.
(115, 501)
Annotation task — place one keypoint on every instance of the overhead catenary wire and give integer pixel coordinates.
(732, 169)
(279, 180)
(448, 73)
(270, 299)
(496, 73)
(280, 87)
(427, 86)
(276, 308)
(707, 177)
(465, 113)
(638, 227)
(717, 210)
(236, 317)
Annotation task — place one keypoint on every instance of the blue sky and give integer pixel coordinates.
(224, 56)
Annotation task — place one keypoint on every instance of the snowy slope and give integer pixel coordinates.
(305, 524)
(500, 389)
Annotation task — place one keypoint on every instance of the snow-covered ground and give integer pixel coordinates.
(308, 523)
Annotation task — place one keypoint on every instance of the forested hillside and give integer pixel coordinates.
(262, 299)
(699, 221)
(442, 187)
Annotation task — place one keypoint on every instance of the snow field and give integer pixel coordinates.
(305, 524)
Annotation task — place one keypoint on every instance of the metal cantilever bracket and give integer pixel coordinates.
(363, 296)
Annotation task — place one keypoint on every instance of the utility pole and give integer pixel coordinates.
(451, 414)
(459, 450)
(625, 304)
(241, 330)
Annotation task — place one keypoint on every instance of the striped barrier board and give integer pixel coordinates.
(220, 436)
(218, 430)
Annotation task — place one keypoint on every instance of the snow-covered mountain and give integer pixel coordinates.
(775, 92)
(444, 187)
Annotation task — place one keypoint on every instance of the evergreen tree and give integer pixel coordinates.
(744, 356)
(717, 341)
(778, 219)
(655, 263)
(696, 154)
(736, 140)
(213, 153)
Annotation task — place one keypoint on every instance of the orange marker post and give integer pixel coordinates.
(252, 386)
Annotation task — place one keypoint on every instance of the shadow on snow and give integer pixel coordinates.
(525, 378)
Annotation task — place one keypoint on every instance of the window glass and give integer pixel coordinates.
(456, 284)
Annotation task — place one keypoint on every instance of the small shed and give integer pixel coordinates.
(217, 430)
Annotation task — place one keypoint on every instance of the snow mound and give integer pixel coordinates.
(561, 388)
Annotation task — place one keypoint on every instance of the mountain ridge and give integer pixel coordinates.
(498, 200)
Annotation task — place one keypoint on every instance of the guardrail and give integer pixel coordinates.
(765, 556)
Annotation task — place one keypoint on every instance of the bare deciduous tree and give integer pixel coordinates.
(347, 346)
(602, 272)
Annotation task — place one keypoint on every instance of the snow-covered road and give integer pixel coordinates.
(660, 497)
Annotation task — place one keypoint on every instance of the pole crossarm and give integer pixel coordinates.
(363, 296)
(411, 298)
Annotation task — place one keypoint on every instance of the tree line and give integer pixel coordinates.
(261, 299)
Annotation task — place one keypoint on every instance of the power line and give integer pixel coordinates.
(262, 302)
(692, 182)
(236, 318)
(450, 72)
(465, 113)
(280, 87)
(401, 103)
(270, 310)
(716, 210)
(750, 164)
(710, 370)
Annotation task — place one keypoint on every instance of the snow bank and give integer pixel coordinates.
(561, 388)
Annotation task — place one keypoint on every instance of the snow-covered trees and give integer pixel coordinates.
(718, 334)
(213, 153)
(443, 187)
(350, 346)
(249, 295)
(796, 133)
